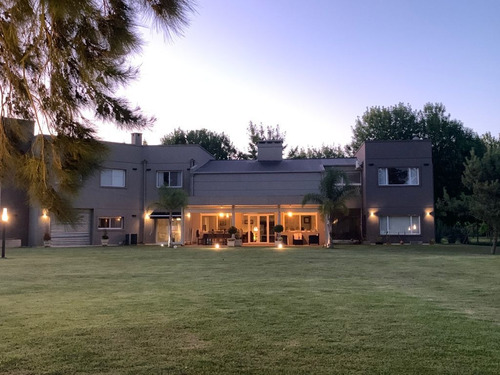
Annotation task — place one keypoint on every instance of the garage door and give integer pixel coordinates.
(65, 234)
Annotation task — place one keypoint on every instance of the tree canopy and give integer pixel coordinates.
(482, 177)
(61, 63)
(258, 133)
(323, 152)
(219, 145)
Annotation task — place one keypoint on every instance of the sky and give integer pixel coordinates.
(313, 67)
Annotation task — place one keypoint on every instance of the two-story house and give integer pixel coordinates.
(395, 201)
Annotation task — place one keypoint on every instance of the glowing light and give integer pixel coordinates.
(5, 216)
(255, 229)
(45, 213)
(221, 214)
(188, 215)
(217, 246)
(290, 214)
(372, 213)
(414, 226)
(280, 246)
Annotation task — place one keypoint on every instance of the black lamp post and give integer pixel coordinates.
(5, 218)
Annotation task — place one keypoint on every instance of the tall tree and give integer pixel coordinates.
(334, 191)
(391, 123)
(219, 145)
(61, 63)
(171, 199)
(482, 176)
(451, 145)
(257, 133)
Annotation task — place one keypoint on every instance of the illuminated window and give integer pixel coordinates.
(113, 178)
(398, 176)
(401, 225)
(302, 222)
(110, 222)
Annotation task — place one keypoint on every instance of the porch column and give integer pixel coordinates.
(279, 214)
(233, 214)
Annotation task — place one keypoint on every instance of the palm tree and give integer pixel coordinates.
(334, 191)
(171, 199)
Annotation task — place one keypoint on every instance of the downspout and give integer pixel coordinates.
(143, 205)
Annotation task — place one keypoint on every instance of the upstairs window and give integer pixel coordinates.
(398, 176)
(169, 178)
(113, 178)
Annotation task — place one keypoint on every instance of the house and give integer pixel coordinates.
(395, 201)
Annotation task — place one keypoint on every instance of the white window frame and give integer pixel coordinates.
(412, 180)
(110, 220)
(413, 228)
(160, 179)
(117, 179)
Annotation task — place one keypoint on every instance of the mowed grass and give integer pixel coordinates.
(153, 310)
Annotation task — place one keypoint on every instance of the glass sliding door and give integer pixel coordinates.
(258, 228)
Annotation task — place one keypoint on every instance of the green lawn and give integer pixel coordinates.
(152, 310)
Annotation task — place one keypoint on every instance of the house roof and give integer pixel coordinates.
(282, 166)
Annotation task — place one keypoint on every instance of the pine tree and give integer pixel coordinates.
(61, 63)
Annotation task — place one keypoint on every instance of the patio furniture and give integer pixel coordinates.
(314, 239)
(298, 239)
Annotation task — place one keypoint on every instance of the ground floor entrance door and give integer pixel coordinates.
(162, 230)
(258, 228)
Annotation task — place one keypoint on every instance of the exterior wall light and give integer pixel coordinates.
(45, 213)
(290, 214)
(5, 219)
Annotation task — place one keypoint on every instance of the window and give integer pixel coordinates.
(110, 222)
(113, 178)
(300, 222)
(400, 225)
(398, 176)
(169, 178)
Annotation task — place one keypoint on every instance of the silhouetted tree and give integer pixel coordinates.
(61, 63)
(219, 145)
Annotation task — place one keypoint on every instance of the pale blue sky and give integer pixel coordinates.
(314, 66)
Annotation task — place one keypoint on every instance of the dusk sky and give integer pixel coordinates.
(314, 67)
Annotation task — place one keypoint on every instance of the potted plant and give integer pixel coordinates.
(105, 238)
(232, 240)
(46, 239)
(278, 241)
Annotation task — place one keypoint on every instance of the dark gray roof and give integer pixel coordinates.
(283, 166)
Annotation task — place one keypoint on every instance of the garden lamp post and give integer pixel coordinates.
(5, 218)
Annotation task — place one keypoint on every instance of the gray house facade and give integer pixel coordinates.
(395, 201)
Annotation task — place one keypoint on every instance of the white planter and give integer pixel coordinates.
(232, 242)
(104, 241)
